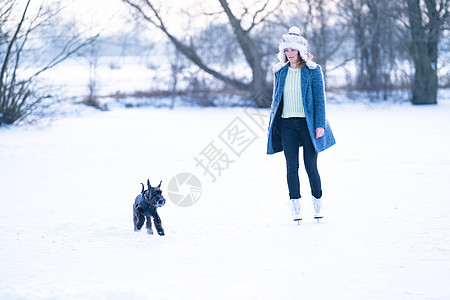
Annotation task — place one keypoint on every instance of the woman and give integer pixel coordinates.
(297, 117)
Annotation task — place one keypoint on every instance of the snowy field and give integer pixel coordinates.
(66, 194)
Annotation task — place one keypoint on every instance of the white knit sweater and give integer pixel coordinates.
(292, 94)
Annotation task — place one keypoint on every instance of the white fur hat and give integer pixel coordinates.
(293, 40)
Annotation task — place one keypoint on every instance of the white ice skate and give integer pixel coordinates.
(318, 209)
(296, 210)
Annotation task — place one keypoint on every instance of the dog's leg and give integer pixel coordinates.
(140, 221)
(149, 226)
(135, 221)
(135, 217)
(158, 224)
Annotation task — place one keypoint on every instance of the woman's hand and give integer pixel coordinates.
(319, 132)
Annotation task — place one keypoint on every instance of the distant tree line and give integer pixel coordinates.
(386, 41)
(383, 44)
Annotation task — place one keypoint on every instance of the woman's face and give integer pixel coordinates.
(292, 55)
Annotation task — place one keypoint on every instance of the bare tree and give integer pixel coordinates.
(325, 29)
(20, 94)
(374, 42)
(92, 57)
(425, 21)
(243, 35)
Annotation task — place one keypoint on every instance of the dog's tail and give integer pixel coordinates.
(142, 192)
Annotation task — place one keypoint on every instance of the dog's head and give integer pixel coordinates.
(153, 195)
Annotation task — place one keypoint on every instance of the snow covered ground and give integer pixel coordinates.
(66, 194)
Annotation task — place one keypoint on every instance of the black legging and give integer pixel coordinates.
(294, 132)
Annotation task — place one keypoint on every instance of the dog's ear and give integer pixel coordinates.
(148, 184)
(160, 184)
(142, 188)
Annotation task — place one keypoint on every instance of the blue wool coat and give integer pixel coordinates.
(313, 96)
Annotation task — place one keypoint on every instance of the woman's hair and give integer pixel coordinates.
(310, 57)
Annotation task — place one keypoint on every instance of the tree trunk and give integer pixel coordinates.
(259, 85)
(259, 88)
(423, 49)
(425, 82)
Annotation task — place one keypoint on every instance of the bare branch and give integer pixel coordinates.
(13, 40)
(189, 52)
(19, 97)
(263, 18)
(5, 14)
(65, 53)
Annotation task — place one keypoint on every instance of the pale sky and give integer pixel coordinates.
(107, 15)
(113, 15)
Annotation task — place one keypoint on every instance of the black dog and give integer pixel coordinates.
(145, 206)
